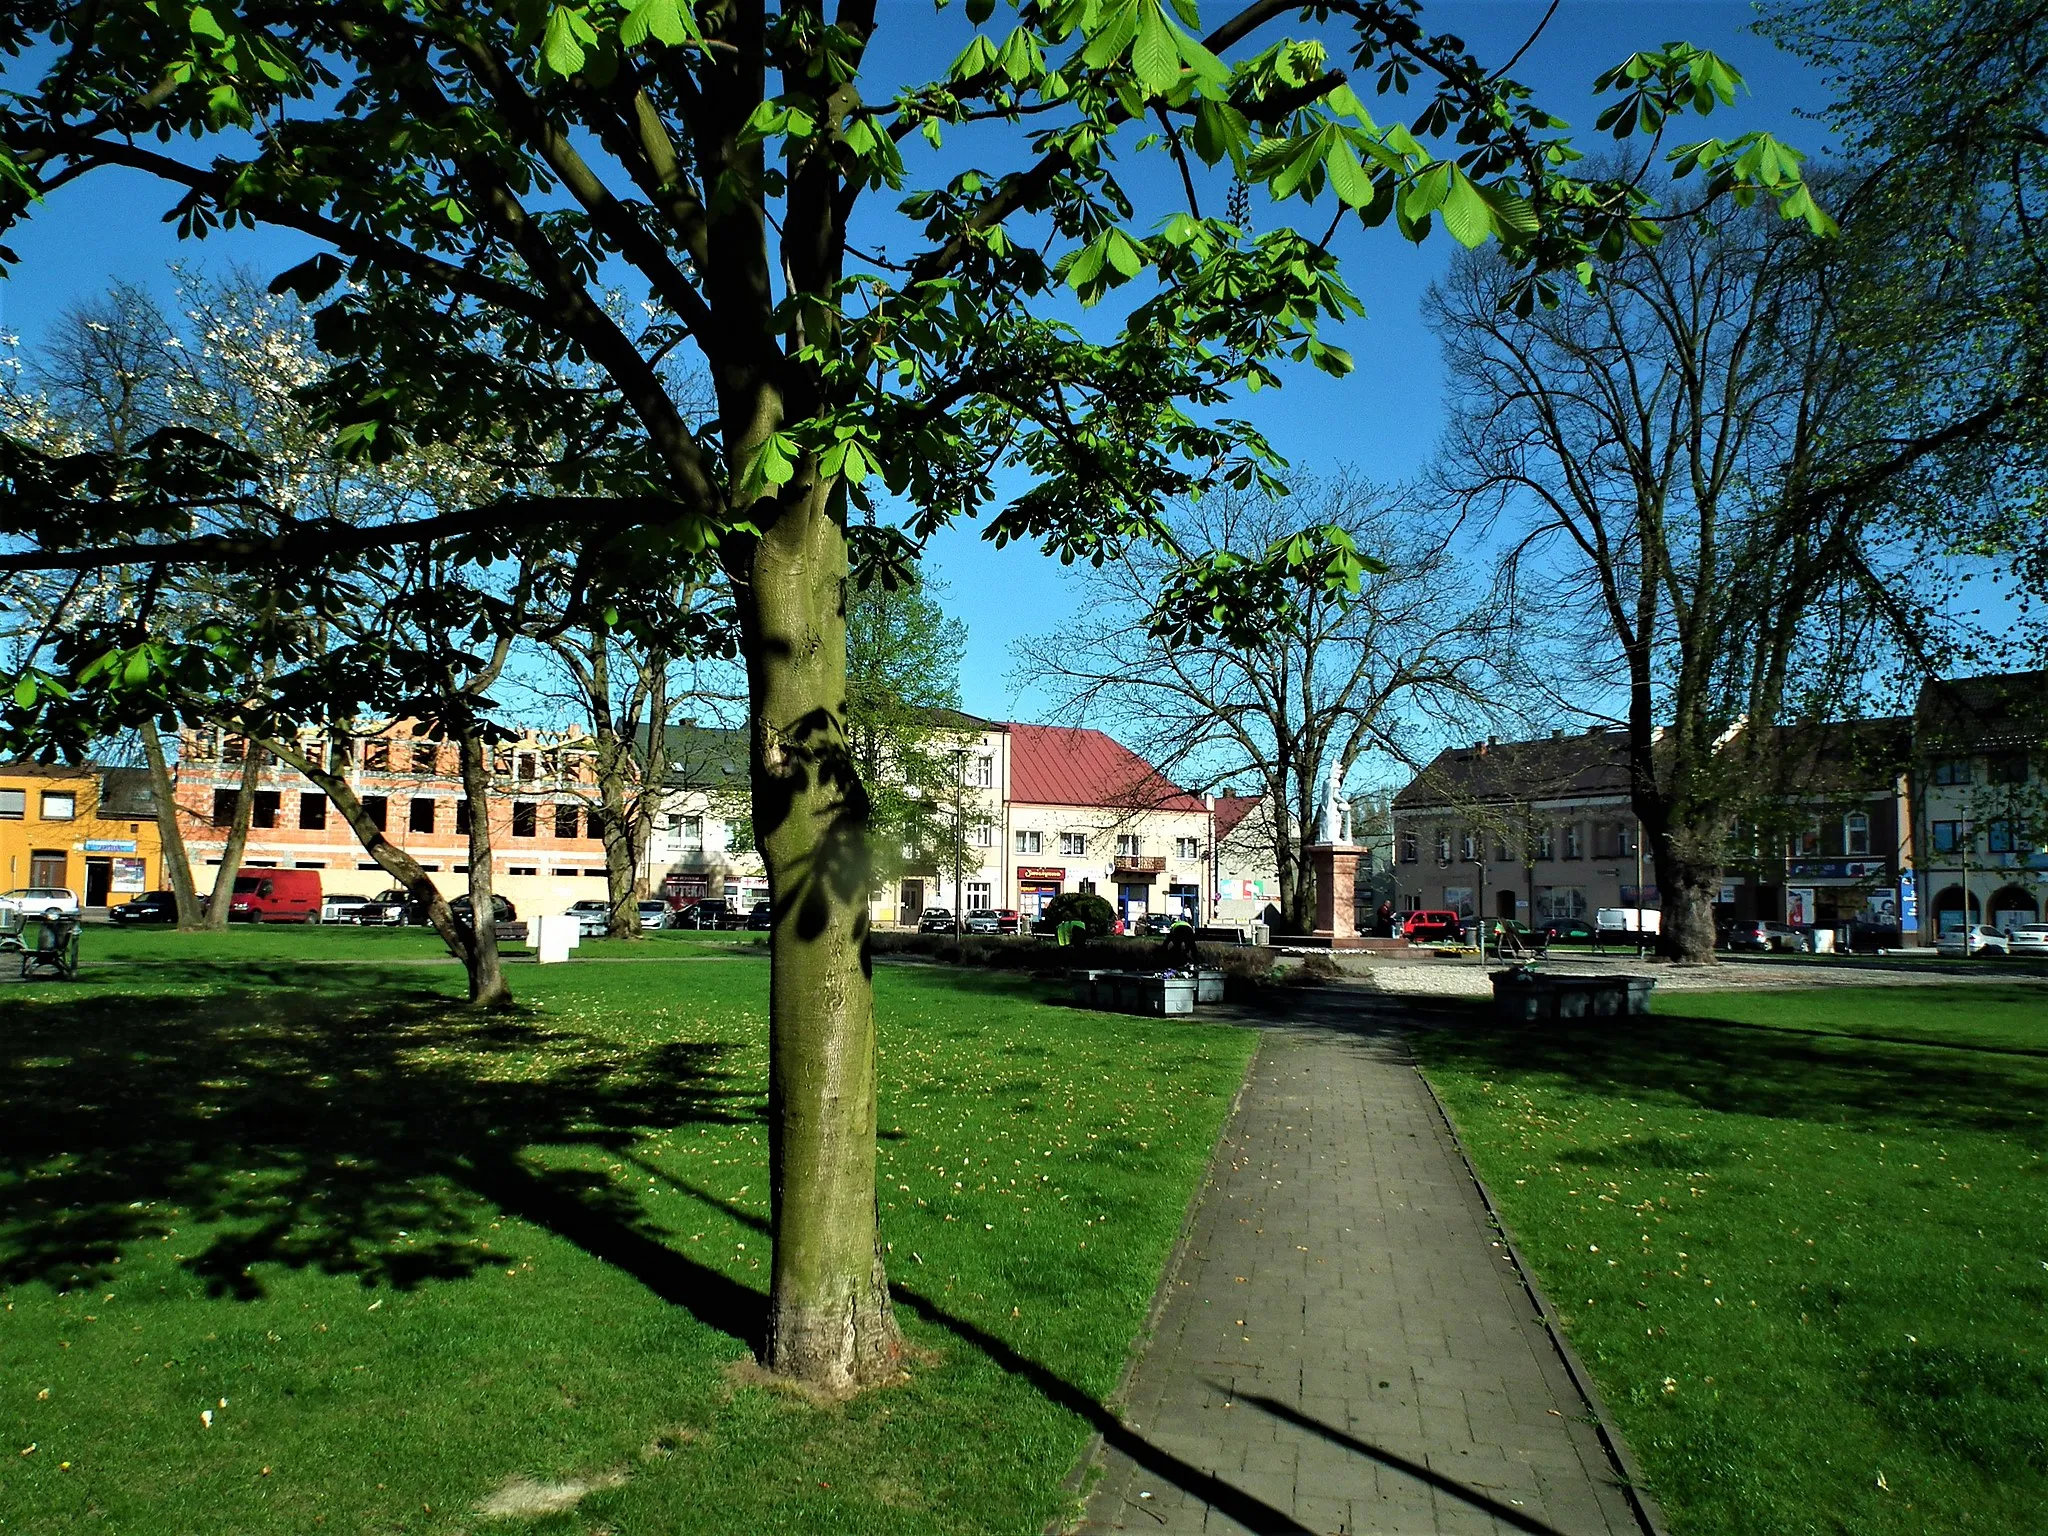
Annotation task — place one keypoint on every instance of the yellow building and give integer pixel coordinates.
(89, 830)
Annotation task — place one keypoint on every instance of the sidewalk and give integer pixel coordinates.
(1347, 1346)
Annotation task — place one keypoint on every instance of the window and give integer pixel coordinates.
(978, 772)
(340, 752)
(1574, 841)
(567, 822)
(980, 895)
(690, 834)
(526, 766)
(1546, 844)
(310, 864)
(462, 818)
(2005, 768)
(525, 818)
(1468, 846)
(1411, 853)
(1625, 840)
(378, 809)
(569, 872)
(1948, 836)
(1030, 842)
(984, 835)
(432, 869)
(264, 813)
(1187, 847)
(1555, 903)
(312, 811)
(1806, 842)
(1501, 853)
(596, 874)
(13, 804)
(1443, 847)
(1074, 844)
(59, 807)
(420, 818)
(1127, 845)
(1855, 833)
(2004, 836)
(1952, 770)
(460, 869)
(522, 869)
(363, 864)
(376, 757)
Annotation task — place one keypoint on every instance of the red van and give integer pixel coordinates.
(276, 896)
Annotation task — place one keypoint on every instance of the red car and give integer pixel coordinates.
(994, 920)
(1429, 927)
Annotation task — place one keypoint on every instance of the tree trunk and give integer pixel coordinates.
(487, 988)
(1686, 888)
(392, 859)
(177, 860)
(217, 905)
(614, 760)
(830, 1323)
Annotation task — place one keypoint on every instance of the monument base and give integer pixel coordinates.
(1336, 869)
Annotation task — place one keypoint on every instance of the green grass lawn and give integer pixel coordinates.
(1800, 1238)
(402, 1256)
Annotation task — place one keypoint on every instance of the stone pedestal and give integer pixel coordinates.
(1336, 867)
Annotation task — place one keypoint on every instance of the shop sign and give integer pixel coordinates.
(1838, 869)
(110, 845)
(128, 874)
(1909, 903)
(1034, 873)
(1727, 896)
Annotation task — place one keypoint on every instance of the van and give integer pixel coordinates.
(1623, 920)
(276, 896)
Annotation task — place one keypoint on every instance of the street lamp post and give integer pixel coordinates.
(959, 850)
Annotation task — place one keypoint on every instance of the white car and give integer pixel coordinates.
(35, 900)
(2029, 939)
(342, 909)
(593, 918)
(654, 913)
(1977, 940)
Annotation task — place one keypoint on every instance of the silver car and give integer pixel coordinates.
(2029, 939)
(593, 918)
(1974, 940)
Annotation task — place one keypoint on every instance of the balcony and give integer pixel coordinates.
(1140, 863)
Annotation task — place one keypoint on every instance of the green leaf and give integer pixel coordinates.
(1154, 56)
(201, 24)
(561, 48)
(1347, 177)
(25, 693)
(665, 20)
(1220, 129)
(979, 11)
(1466, 214)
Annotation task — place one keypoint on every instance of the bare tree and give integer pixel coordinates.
(1704, 463)
(1417, 648)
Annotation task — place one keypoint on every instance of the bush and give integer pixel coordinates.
(1082, 907)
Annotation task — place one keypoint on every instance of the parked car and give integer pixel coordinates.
(2029, 939)
(1761, 937)
(502, 910)
(35, 900)
(1570, 930)
(935, 920)
(762, 918)
(1432, 927)
(393, 909)
(654, 913)
(154, 907)
(1154, 925)
(709, 912)
(337, 908)
(994, 920)
(276, 896)
(593, 918)
(1874, 938)
(1974, 940)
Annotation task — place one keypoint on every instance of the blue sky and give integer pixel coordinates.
(1383, 420)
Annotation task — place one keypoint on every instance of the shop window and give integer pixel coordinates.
(1855, 834)
(1030, 842)
(312, 811)
(525, 818)
(378, 809)
(13, 804)
(420, 816)
(1074, 844)
(59, 806)
(264, 813)
(567, 822)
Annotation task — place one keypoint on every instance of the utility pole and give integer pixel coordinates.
(1639, 888)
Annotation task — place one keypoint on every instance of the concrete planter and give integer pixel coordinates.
(1138, 992)
(1208, 986)
(1527, 997)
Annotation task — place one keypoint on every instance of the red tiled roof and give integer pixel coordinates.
(1231, 810)
(1064, 765)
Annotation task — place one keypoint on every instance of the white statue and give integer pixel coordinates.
(1335, 811)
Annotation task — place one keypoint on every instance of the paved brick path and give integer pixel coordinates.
(1347, 1346)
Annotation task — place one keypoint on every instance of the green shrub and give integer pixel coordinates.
(1082, 907)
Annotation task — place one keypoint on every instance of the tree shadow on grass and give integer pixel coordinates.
(1758, 1070)
(345, 1121)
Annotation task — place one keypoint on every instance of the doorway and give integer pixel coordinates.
(1504, 904)
(99, 881)
(46, 869)
(910, 905)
